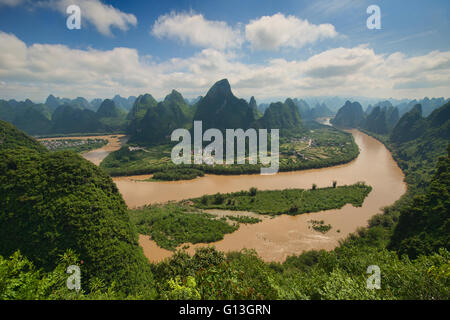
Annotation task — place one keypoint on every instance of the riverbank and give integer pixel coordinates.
(275, 239)
(319, 147)
(115, 142)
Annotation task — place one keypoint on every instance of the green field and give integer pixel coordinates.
(288, 201)
(321, 146)
(173, 224)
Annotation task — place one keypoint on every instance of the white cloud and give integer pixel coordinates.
(104, 17)
(273, 32)
(196, 30)
(40, 69)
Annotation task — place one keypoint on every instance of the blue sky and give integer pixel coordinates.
(269, 49)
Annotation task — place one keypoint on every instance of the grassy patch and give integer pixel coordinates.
(177, 174)
(320, 226)
(173, 224)
(244, 219)
(288, 201)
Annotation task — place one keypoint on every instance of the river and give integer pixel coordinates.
(276, 238)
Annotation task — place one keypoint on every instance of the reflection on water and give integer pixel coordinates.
(275, 239)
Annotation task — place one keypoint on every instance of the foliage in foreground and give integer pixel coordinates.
(424, 227)
(210, 274)
(52, 202)
(338, 274)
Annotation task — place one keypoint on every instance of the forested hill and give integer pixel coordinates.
(221, 109)
(69, 119)
(57, 203)
(320, 110)
(349, 116)
(12, 138)
(66, 116)
(421, 148)
(381, 119)
(153, 122)
(281, 115)
(418, 142)
(424, 226)
(60, 210)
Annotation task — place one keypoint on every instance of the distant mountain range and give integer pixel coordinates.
(54, 102)
(150, 121)
(351, 115)
(380, 118)
(384, 118)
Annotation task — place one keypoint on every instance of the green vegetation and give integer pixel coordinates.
(288, 201)
(69, 119)
(349, 116)
(52, 202)
(306, 112)
(381, 120)
(423, 213)
(411, 126)
(281, 116)
(320, 147)
(244, 219)
(417, 151)
(152, 123)
(424, 227)
(64, 116)
(320, 226)
(12, 138)
(171, 225)
(178, 174)
(112, 118)
(222, 110)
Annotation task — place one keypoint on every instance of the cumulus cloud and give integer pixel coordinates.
(37, 70)
(273, 32)
(194, 29)
(340, 62)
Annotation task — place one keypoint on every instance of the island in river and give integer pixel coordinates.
(276, 238)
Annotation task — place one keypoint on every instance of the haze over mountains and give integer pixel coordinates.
(383, 117)
(150, 121)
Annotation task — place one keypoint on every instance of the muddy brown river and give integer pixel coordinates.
(276, 238)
